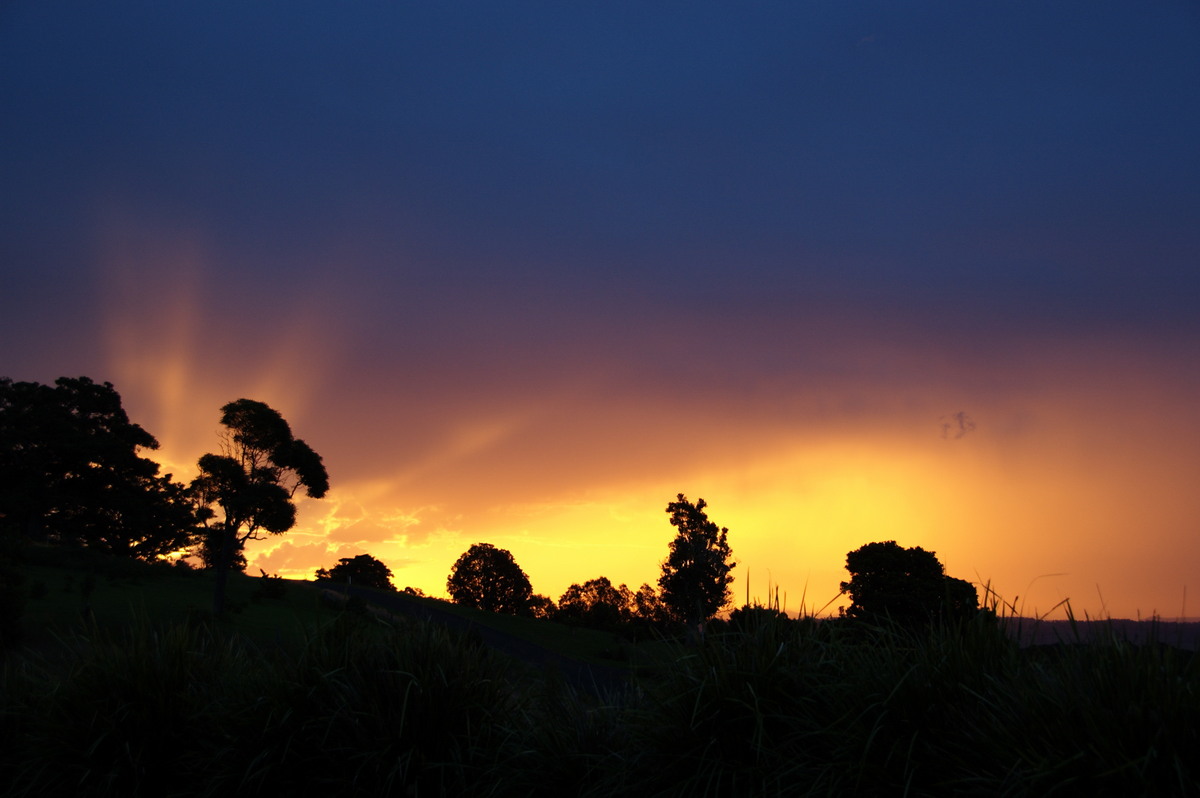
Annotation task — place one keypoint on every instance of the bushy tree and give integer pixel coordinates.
(252, 482)
(542, 607)
(907, 586)
(695, 576)
(596, 603)
(648, 606)
(145, 517)
(363, 570)
(71, 472)
(489, 579)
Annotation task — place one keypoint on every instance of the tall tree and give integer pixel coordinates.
(363, 570)
(694, 584)
(489, 579)
(252, 482)
(71, 471)
(909, 586)
(147, 517)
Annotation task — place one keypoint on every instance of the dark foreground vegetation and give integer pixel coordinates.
(363, 704)
(124, 674)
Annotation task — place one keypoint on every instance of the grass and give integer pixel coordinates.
(64, 588)
(578, 642)
(356, 705)
(194, 710)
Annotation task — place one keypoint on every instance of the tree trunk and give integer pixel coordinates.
(224, 558)
(695, 625)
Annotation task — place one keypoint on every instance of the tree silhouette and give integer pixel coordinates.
(253, 482)
(489, 579)
(146, 517)
(363, 570)
(542, 607)
(907, 586)
(208, 549)
(695, 576)
(596, 603)
(648, 606)
(70, 472)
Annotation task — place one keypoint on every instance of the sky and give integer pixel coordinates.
(522, 272)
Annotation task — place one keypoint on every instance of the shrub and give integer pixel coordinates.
(269, 586)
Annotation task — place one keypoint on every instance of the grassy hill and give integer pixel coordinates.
(127, 689)
(64, 588)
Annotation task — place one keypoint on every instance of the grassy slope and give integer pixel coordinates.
(588, 645)
(780, 710)
(60, 587)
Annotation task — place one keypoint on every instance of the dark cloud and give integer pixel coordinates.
(957, 426)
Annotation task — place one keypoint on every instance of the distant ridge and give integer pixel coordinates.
(1183, 634)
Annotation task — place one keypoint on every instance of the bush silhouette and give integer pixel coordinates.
(906, 586)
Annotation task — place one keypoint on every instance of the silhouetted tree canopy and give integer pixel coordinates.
(695, 576)
(145, 517)
(489, 579)
(648, 606)
(908, 586)
(363, 570)
(542, 607)
(596, 603)
(70, 472)
(252, 482)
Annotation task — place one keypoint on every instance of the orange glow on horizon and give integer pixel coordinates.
(1078, 481)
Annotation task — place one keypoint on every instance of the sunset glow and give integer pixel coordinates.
(1083, 455)
(825, 268)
